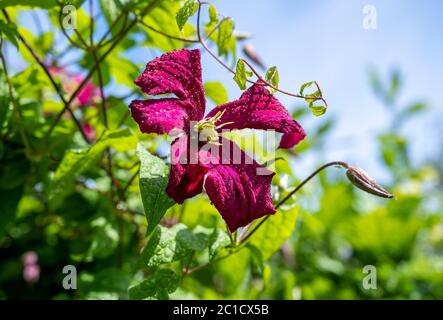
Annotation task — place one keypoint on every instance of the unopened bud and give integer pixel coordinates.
(251, 53)
(361, 180)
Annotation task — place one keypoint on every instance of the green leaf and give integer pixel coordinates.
(304, 86)
(45, 4)
(10, 32)
(274, 232)
(185, 12)
(169, 244)
(215, 91)
(77, 161)
(317, 110)
(153, 181)
(272, 77)
(232, 271)
(217, 241)
(191, 241)
(111, 10)
(122, 70)
(158, 285)
(46, 41)
(225, 31)
(241, 74)
(163, 18)
(213, 16)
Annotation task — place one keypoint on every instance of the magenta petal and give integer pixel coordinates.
(159, 115)
(185, 181)
(236, 184)
(240, 192)
(185, 178)
(257, 108)
(179, 73)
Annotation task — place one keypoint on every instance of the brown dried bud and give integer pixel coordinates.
(361, 180)
(251, 53)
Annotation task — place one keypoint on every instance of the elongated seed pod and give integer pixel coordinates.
(361, 180)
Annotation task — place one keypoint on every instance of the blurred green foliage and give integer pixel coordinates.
(81, 204)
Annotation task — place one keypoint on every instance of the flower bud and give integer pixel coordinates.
(361, 180)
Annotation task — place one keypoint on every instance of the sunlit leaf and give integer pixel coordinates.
(189, 8)
(305, 86)
(232, 270)
(272, 77)
(112, 9)
(317, 110)
(241, 74)
(274, 232)
(215, 91)
(213, 16)
(225, 31)
(163, 18)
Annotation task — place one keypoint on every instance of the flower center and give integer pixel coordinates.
(207, 128)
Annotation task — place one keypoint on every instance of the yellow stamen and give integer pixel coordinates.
(208, 126)
(224, 124)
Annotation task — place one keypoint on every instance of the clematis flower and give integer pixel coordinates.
(236, 184)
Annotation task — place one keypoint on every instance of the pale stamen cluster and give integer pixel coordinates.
(207, 128)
